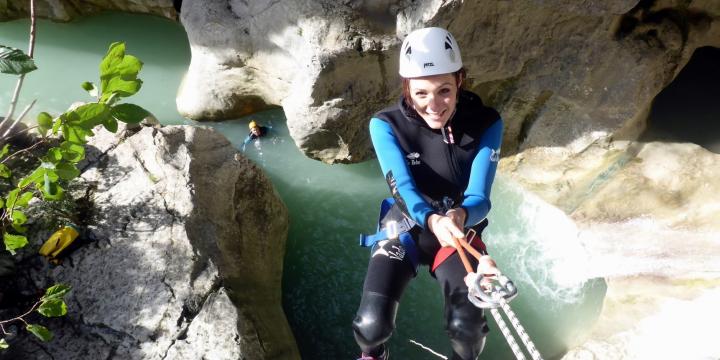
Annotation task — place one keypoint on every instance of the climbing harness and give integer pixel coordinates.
(493, 293)
(392, 224)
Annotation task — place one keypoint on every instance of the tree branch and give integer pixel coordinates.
(31, 50)
(20, 318)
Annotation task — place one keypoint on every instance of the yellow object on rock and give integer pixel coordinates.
(59, 241)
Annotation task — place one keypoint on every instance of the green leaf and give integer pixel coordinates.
(14, 61)
(66, 170)
(54, 155)
(111, 100)
(90, 88)
(129, 66)
(5, 150)
(14, 242)
(72, 152)
(52, 308)
(35, 177)
(56, 291)
(24, 199)
(2, 203)
(40, 331)
(129, 113)
(51, 190)
(45, 122)
(88, 116)
(111, 125)
(75, 134)
(12, 198)
(19, 218)
(114, 56)
(5, 171)
(56, 125)
(121, 87)
(3, 344)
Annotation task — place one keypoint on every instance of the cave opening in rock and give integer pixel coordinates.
(688, 110)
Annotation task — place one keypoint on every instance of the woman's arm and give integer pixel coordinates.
(476, 200)
(392, 158)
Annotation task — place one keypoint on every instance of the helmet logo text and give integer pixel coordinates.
(428, 64)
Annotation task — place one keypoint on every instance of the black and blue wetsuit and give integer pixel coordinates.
(429, 171)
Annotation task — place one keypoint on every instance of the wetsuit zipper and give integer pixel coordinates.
(448, 139)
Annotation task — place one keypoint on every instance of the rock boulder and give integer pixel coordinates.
(186, 261)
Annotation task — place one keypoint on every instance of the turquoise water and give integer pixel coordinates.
(329, 206)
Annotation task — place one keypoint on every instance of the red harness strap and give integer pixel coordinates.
(445, 252)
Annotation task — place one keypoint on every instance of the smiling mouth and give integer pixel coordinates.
(436, 114)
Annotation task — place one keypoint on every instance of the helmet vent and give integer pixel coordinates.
(448, 46)
(408, 51)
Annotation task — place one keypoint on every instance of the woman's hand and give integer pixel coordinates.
(458, 216)
(445, 229)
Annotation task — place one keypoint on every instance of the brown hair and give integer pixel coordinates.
(460, 76)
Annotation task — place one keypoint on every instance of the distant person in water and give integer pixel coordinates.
(256, 132)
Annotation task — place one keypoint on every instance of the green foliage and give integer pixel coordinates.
(129, 113)
(45, 123)
(55, 292)
(52, 303)
(40, 332)
(118, 79)
(5, 150)
(5, 171)
(14, 61)
(118, 73)
(53, 308)
(58, 166)
(14, 242)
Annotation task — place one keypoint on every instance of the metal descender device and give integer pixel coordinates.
(495, 292)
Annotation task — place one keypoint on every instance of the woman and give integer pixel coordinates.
(438, 149)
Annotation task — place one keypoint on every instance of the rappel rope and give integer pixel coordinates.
(507, 334)
(428, 349)
(494, 299)
(524, 337)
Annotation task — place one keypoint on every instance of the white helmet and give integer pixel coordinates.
(429, 51)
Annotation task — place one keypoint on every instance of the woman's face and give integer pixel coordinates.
(434, 98)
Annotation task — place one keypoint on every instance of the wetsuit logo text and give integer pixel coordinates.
(413, 158)
(392, 250)
(495, 155)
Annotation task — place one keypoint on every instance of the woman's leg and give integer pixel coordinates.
(389, 272)
(464, 322)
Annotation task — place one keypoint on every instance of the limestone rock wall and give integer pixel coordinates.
(325, 62)
(66, 10)
(185, 261)
(565, 75)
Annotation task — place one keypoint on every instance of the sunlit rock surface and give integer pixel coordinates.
(565, 75)
(655, 318)
(66, 10)
(187, 258)
(327, 63)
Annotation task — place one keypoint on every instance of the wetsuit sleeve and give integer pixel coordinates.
(476, 199)
(392, 158)
(247, 140)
